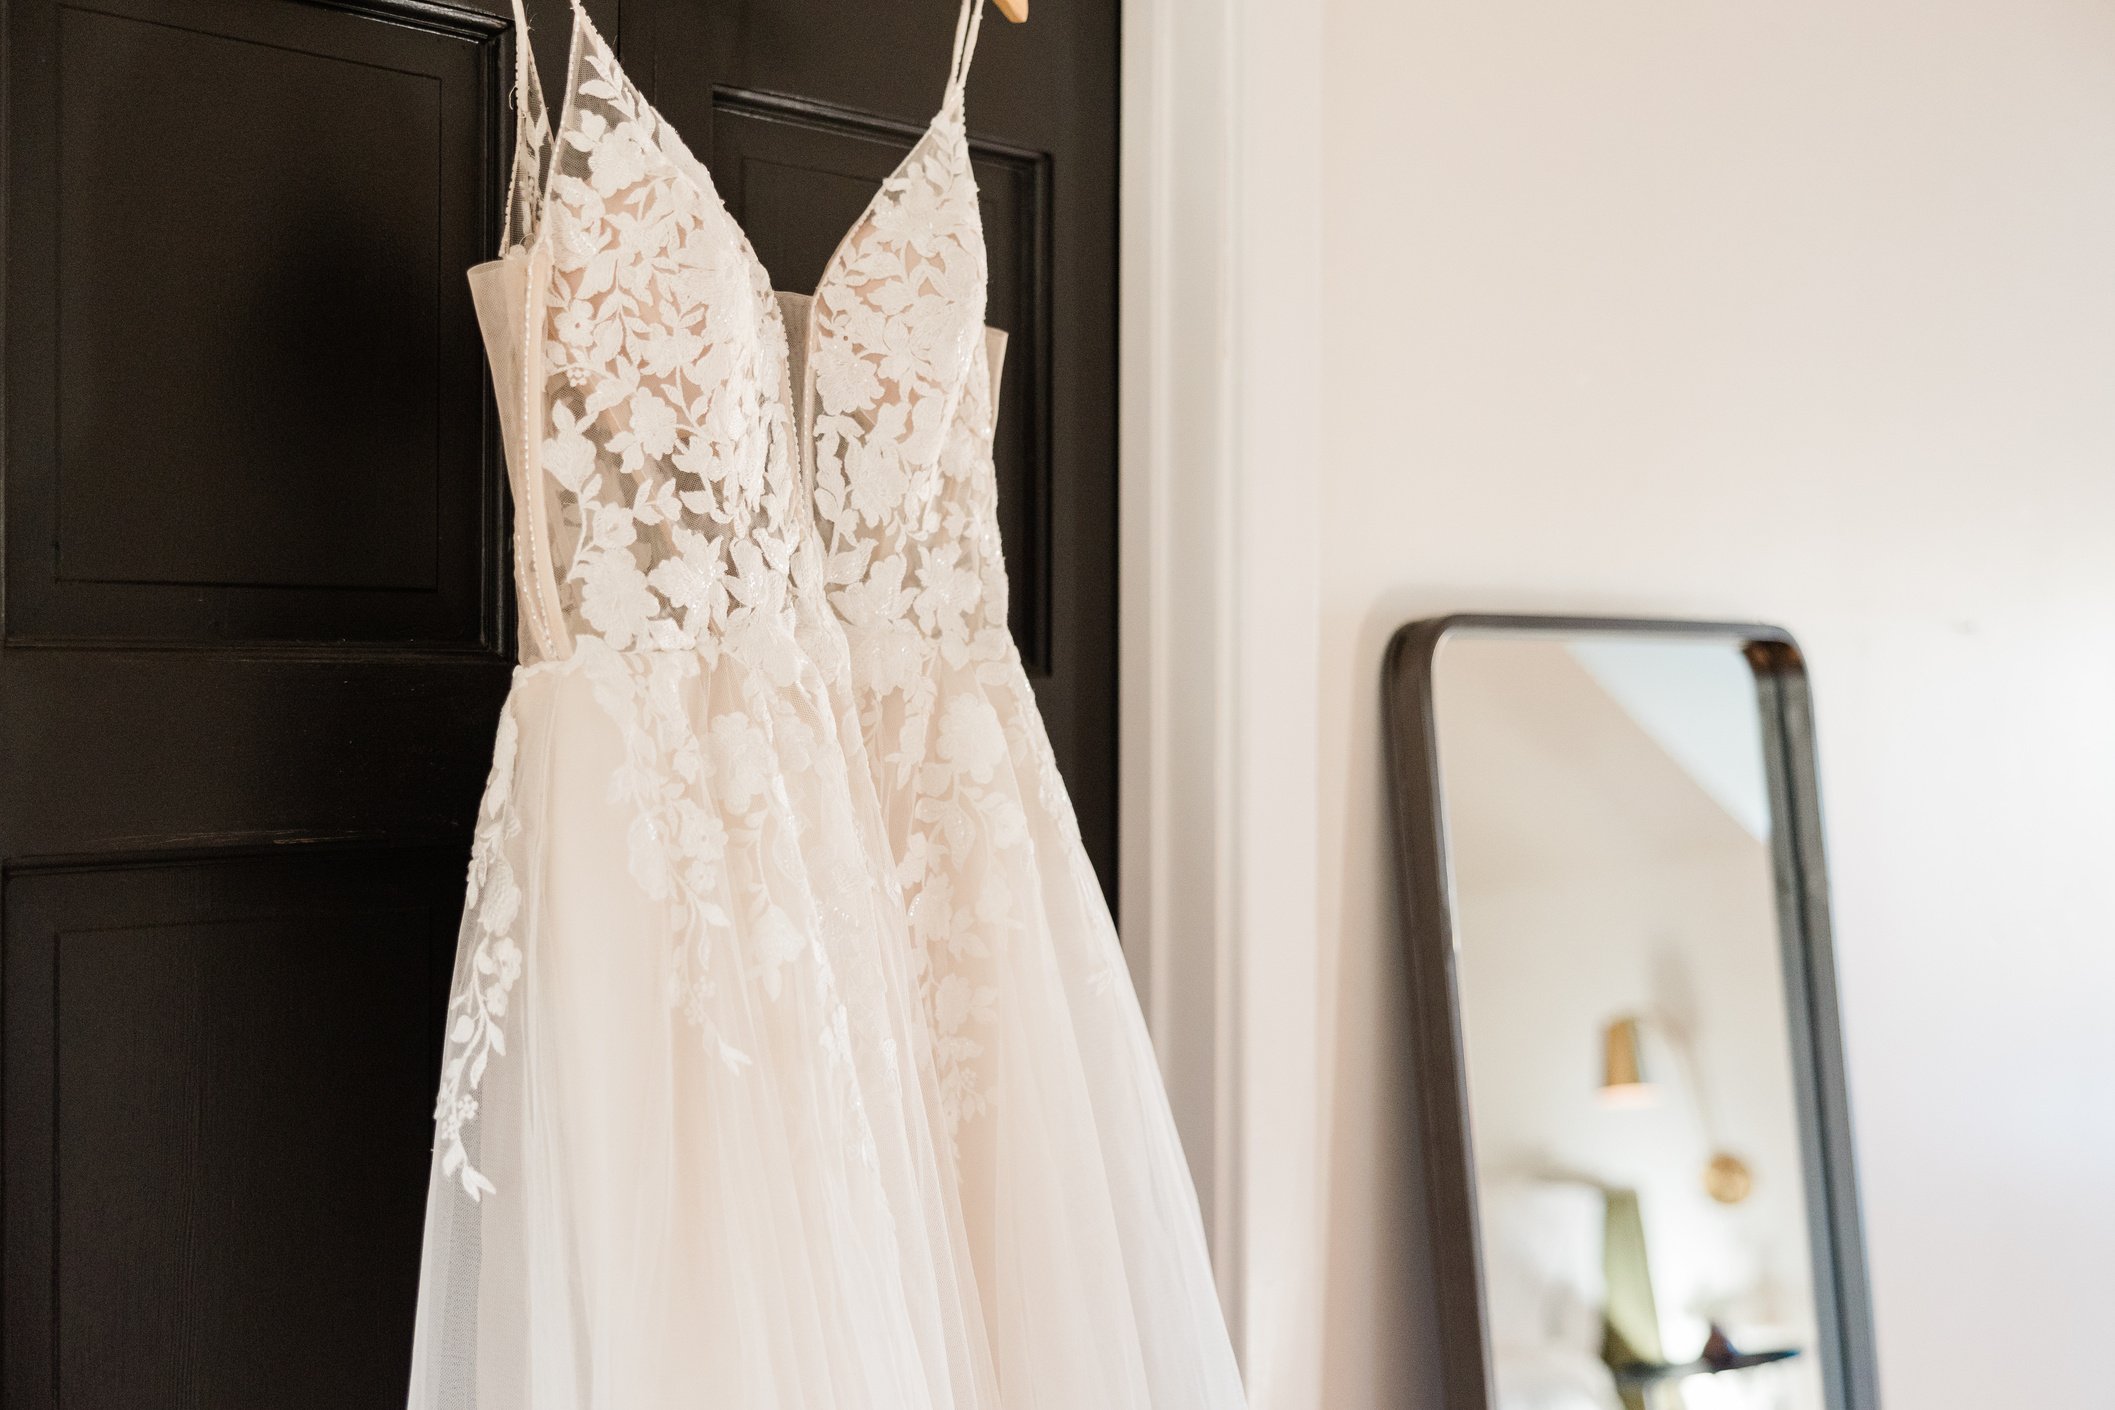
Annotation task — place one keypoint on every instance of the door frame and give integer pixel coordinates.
(1220, 397)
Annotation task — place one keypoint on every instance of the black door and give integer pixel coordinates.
(256, 621)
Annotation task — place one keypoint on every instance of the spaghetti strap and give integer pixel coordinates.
(967, 23)
(525, 84)
(532, 137)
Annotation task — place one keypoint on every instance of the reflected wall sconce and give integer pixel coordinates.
(1626, 1081)
(1623, 1080)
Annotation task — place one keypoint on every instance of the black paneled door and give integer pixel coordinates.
(256, 622)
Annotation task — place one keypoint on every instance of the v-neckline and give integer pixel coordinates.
(700, 180)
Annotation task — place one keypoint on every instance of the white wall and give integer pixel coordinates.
(1801, 311)
(1219, 583)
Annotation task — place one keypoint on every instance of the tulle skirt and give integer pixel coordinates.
(729, 1121)
(1083, 1223)
(689, 1150)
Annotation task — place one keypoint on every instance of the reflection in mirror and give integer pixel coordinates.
(1623, 1018)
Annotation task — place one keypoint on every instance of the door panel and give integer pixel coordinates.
(244, 376)
(256, 634)
(219, 1097)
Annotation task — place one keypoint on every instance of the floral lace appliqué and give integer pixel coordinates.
(905, 493)
(478, 1004)
(668, 431)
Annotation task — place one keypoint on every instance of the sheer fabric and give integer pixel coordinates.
(1083, 1223)
(791, 1060)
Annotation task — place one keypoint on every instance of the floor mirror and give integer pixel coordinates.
(1629, 1052)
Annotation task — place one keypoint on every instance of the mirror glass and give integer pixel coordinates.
(1633, 1099)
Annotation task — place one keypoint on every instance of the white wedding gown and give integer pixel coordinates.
(726, 1119)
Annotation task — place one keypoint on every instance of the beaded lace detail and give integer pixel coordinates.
(668, 438)
(901, 410)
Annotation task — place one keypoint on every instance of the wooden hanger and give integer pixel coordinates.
(1015, 10)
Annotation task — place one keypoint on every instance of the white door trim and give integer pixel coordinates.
(1220, 395)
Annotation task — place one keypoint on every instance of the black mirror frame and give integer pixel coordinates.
(1843, 1302)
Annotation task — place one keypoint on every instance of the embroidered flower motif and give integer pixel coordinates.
(480, 995)
(665, 350)
(568, 455)
(653, 422)
(691, 580)
(889, 657)
(506, 956)
(957, 1002)
(617, 161)
(971, 738)
(614, 597)
(948, 594)
(774, 943)
(742, 762)
(844, 380)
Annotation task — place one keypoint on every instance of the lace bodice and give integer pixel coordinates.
(900, 422)
(655, 479)
(686, 481)
(657, 458)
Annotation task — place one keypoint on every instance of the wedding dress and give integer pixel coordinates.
(1083, 1223)
(724, 1123)
(688, 1150)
